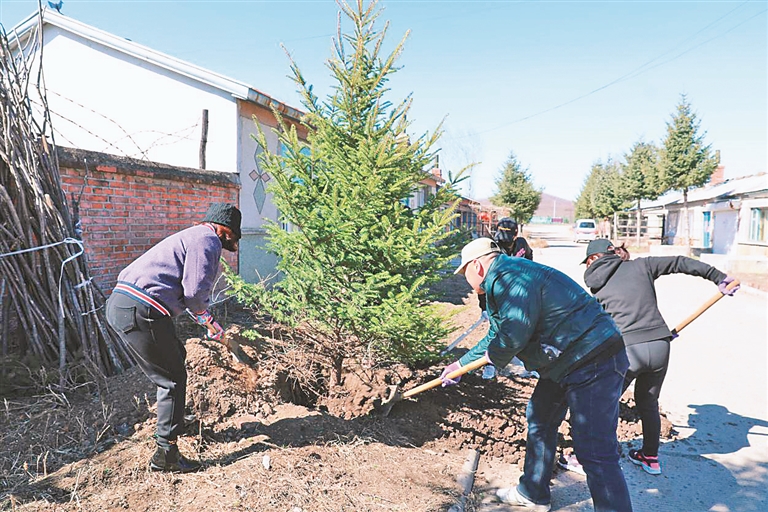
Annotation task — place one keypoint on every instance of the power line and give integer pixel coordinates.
(637, 71)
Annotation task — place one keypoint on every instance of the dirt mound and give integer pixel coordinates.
(266, 441)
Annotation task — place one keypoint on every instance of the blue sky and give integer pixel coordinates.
(562, 84)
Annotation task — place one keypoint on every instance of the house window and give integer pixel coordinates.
(758, 221)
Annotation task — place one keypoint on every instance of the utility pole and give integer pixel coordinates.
(204, 138)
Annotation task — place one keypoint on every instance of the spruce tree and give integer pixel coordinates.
(640, 177)
(686, 162)
(357, 262)
(601, 194)
(516, 191)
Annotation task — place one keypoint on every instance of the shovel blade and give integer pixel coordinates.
(394, 395)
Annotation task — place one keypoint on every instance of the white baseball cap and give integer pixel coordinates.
(476, 249)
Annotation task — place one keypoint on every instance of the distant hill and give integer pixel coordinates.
(552, 206)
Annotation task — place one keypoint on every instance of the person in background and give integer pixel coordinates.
(509, 242)
(604, 228)
(512, 245)
(174, 276)
(625, 289)
(542, 316)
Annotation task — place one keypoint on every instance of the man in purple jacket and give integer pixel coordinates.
(175, 275)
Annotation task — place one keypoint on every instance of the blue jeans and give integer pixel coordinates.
(592, 392)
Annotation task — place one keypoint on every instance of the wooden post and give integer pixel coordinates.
(204, 138)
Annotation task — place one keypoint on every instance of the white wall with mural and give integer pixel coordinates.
(255, 202)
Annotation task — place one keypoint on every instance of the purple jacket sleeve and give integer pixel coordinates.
(201, 267)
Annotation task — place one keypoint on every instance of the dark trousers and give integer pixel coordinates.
(592, 392)
(648, 364)
(151, 337)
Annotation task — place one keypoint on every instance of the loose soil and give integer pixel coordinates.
(266, 443)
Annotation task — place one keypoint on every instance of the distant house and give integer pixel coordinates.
(488, 216)
(467, 218)
(727, 218)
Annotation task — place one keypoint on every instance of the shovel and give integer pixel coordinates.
(395, 395)
(712, 300)
(232, 346)
(463, 335)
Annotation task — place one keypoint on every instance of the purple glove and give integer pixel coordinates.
(448, 369)
(724, 283)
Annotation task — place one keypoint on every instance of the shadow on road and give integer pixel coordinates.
(693, 479)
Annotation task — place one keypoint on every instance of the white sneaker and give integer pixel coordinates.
(511, 496)
(571, 463)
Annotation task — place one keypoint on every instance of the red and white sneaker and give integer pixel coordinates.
(649, 464)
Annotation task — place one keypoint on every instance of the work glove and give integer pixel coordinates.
(449, 369)
(213, 329)
(216, 333)
(724, 283)
(455, 366)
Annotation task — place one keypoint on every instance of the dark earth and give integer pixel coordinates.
(268, 443)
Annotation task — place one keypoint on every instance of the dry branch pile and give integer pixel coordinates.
(44, 281)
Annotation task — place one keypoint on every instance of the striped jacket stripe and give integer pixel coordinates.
(141, 297)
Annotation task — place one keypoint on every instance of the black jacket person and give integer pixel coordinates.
(510, 244)
(625, 289)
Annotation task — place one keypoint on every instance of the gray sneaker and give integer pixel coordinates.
(511, 496)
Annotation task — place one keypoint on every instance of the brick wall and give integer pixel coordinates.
(129, 205)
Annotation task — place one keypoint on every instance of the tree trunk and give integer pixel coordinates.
(686, 226)
(338, 361)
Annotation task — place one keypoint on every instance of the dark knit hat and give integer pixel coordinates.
(599, 246)
(225, 214)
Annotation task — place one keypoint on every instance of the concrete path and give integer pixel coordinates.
(715, 393)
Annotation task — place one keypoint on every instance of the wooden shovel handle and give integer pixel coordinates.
(712, 300)
(474, 365)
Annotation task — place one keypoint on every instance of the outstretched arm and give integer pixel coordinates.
(665, 265)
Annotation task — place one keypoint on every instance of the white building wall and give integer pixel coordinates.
(104, 100)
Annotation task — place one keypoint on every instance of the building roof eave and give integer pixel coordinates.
(235, 88)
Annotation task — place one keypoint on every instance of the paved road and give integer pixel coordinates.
(715, 393)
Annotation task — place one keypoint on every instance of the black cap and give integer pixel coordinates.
(506, 230)
(225, 214)
(599, 246)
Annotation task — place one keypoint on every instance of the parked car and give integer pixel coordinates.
(585, 230)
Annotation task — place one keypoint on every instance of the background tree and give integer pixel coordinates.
(686, 162)
(640, 177)
(357, 262)
(601, 194)
(516, 191)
